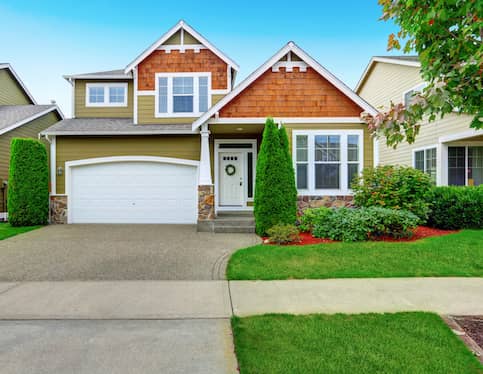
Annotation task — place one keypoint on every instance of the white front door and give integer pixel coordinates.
(231, 179)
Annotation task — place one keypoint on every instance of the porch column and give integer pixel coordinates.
(206, 193)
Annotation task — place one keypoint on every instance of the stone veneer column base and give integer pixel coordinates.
(206, 208)
(58, 209)
(304, 202)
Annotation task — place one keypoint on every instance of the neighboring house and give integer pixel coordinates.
(169, 139)
(447, 149)
(20, 117)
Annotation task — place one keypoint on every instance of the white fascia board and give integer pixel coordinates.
(181, 25)
(111, 133)
(284, 120)
(386, 60)
(69, 78)
(268, 64)
(17, 78)
(31, 118)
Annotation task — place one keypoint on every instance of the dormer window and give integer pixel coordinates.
(182, 94)
(106, 94)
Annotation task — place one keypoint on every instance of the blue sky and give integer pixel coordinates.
(45, 39)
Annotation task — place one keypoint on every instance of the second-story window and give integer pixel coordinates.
(106, 94)
(182, 94)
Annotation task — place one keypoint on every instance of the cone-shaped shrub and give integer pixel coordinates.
(28, 183)
(288, 179)
(270, 199)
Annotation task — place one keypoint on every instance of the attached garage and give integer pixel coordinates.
(133, 189)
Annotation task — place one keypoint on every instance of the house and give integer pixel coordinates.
(171, 139)
(447, 149)
(20, 117)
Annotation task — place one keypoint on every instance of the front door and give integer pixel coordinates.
(231, 179)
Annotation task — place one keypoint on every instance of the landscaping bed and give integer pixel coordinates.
(473, 326)
(7, 230)
(459, 254)
(364, 343)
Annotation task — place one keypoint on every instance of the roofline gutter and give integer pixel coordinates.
(110, 133)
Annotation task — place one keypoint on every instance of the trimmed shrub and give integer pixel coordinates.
(394, 187)
(283, 234)
(312, 217)
(454, 208)
(271, 199)
(28, 183)
(351, 225)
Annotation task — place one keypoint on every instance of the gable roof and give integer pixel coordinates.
(289, 47)
(181, 25)
(397, 60)
(19, 81)
(13, 116)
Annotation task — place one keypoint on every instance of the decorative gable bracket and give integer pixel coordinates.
(289, 65)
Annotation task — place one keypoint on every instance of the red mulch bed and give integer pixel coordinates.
(420, 232)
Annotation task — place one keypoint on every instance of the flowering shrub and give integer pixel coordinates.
(283, 234)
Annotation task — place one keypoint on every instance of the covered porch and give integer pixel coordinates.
(227, 172)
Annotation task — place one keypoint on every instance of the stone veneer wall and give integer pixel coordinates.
(58, 209)
(304, 202)
(206, 207)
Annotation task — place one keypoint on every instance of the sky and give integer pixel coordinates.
(44, 40)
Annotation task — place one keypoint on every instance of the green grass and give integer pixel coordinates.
(6, 230)
(365, 343)
(458, 254)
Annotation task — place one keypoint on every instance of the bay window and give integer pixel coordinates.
(327, 161)
(182, 94)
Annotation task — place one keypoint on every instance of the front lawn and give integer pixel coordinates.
(6, 230)
(458, 254)
(366, 343)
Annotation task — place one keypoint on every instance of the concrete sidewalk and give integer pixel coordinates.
(214, 299)
(461, 296)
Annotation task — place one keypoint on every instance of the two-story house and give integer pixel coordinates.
(171, 139)
(20, 117)
(447, 149)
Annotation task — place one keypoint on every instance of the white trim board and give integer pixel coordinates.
(19, 81)
(289, 47)
(31, 118)
(387, 60)
(181, 25)
(285, 120)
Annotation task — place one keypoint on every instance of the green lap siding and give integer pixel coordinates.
(11, 93)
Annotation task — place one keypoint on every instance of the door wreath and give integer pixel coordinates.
(230, 169)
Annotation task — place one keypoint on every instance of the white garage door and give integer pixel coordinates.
(133, 192)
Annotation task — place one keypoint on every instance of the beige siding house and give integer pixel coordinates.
(447, 149)
(20, 117)
(171, 139)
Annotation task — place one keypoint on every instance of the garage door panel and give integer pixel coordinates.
(133, 192)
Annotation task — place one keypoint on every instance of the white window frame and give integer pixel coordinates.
(424, 149)
(106, 102)
(196, 97)
(417, 88)
(343, 176)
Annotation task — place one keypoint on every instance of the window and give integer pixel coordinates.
(182, 94)
(425, 160)
(326, 162)
(408, 96)
(465, 166)
(106, 94)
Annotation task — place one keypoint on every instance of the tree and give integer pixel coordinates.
(288, 177)
(28, 183)
(447, 36)
(270, 191)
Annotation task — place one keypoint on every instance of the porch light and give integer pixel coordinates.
(239, 129)
(60, 171)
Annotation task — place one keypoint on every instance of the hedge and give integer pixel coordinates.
(28, 183)
(272, 200)
(454, 208)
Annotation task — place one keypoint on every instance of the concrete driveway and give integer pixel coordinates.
(118, 252)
